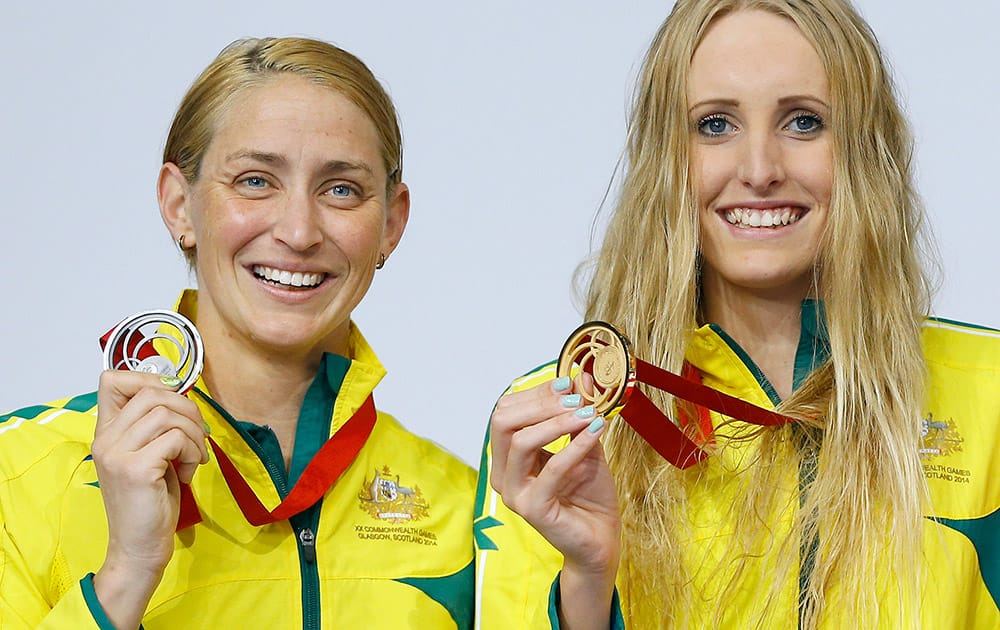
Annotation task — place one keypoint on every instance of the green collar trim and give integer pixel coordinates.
(814, 342)
(313, 428)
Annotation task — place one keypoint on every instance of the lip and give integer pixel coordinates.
(769, 204)
(747, 232)
(286, 290)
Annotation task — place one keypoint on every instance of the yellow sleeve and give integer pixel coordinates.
(515, 565)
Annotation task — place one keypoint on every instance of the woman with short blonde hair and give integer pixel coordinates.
(271, 493)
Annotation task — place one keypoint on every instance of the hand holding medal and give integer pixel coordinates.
(148, 442)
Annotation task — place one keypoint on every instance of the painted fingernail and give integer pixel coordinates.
(208, 429)
(596, 425)
(170, 381)
(570, 400)
(585, 412)
(561, 384)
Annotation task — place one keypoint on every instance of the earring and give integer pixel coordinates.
(180, 242)
(381, 261)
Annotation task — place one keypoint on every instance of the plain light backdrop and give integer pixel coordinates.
(513, 118)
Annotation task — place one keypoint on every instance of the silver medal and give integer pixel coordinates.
(130, 346)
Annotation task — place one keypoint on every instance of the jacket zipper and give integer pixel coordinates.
(304, 525)
(306, 536)
(308, 540)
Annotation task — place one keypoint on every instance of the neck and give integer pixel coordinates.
(766, 325)
(260, 386)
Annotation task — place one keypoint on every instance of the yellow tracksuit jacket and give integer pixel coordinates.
(392, 539)
(517, 569)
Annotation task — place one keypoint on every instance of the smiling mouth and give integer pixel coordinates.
(770, 218)
(288, 279)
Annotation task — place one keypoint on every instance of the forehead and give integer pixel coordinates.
(292, 116)
(756, 53)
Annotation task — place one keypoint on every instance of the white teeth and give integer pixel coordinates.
(288, 278)
(749, 217)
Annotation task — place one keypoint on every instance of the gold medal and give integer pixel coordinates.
(599, 349)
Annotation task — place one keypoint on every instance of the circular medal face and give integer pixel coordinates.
(130, 346)
(598, 349)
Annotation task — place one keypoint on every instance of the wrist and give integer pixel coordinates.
(124, 590)
(586, 599)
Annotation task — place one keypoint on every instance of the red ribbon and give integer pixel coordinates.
(319, 475)
(672, 441)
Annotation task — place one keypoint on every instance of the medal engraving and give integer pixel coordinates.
(157, 342)
(598, 349)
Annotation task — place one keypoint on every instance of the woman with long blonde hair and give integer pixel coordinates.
(766, 243)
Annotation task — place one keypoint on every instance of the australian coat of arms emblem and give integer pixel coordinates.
(385, 498)
(939, 437)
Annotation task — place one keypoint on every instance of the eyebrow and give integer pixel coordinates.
(258, 156)
(341, 166)
(331, 167)
(783, 101)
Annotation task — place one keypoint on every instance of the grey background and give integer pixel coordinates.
(513, 117)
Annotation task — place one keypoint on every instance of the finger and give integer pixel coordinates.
(517, 410)
(562, 465)
(142, 403)
(172, 446)
(157, 421)
(526, 445)
(117, 387)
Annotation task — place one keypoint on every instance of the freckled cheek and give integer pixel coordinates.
(360, 240)
(234, 229)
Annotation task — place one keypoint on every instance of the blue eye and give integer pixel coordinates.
(806, 123)
(714, 125)
(341, 190)
(255, 182)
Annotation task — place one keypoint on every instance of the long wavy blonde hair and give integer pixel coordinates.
(860, 410)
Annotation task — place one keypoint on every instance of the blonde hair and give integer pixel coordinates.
(856, 447)
(249, 62)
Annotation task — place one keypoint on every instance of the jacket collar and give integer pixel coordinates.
(725, 366)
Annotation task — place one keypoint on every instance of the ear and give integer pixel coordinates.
(396, 215)
(174, 195)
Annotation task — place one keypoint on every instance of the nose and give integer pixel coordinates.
(297, 222)
(761, 168)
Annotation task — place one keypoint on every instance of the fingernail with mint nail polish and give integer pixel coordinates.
(570, 400)
(170, 381)
(561, 384)
(585, 412)
(596, 425)
(208, 429)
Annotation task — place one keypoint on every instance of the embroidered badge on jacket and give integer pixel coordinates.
(384, 497)
(939, 438)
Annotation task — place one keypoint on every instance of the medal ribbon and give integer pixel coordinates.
(670, 440)
(319, 475)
